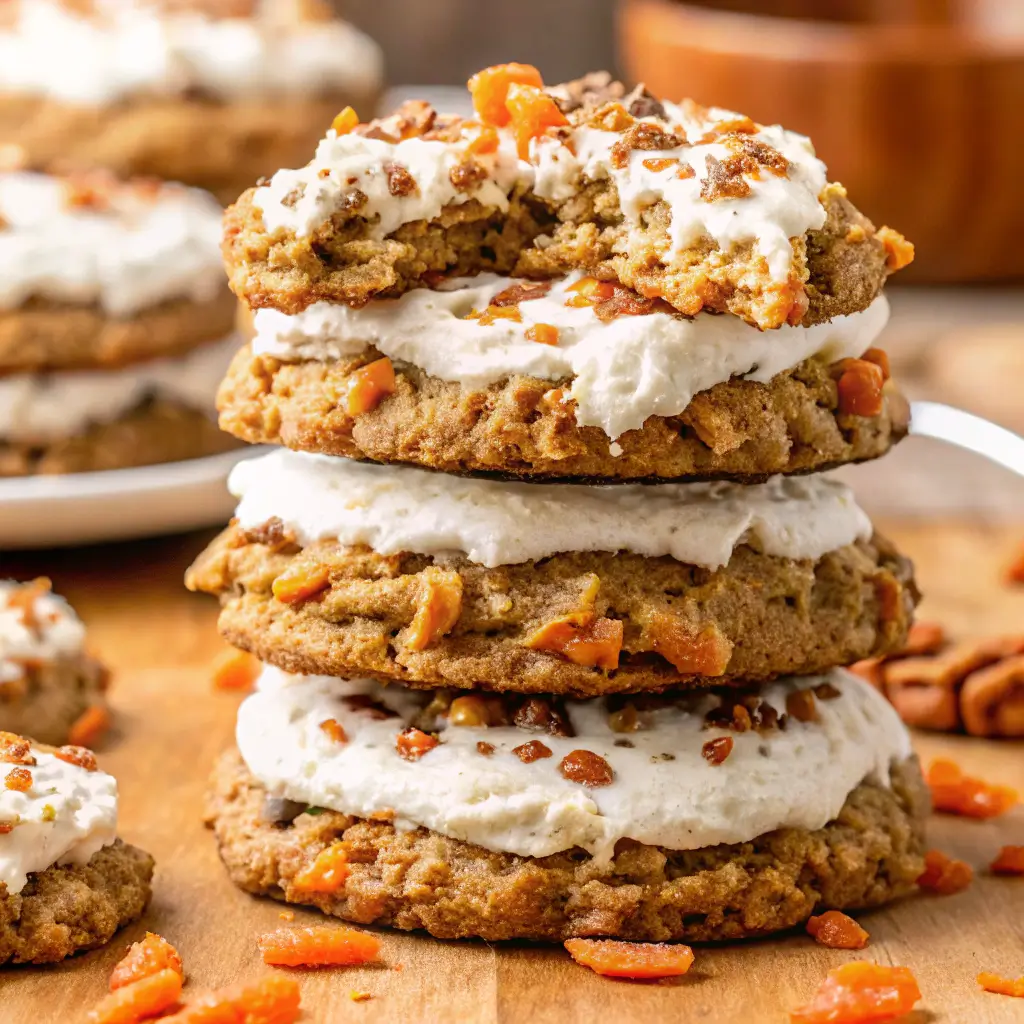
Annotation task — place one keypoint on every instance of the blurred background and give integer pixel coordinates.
(917, 106)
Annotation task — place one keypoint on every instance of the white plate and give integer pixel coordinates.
(121, 504)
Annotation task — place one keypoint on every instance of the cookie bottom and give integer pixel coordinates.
(158, 431)
(869, 855)
(66, 909)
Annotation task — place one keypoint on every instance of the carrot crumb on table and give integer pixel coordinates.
(318, 946)
(860, 992)
(944, 875)
(953, 792)
(837, 931)
(149, 955)
(616, 959)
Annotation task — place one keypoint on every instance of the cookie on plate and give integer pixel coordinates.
(67, 883)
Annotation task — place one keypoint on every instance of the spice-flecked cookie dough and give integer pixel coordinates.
(210, 95)
(557, 589)
(48, 680)
(67, 883)
(839, 825)
(700, 207)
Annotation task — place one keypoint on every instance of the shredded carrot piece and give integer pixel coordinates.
(273, 1000)
(346, 121)
(301, 582)
(489, 89)
(956, 793)
(1002, 986)
(369, 386)
(532, 112)
(320, 946)
(89, 726)
(860, 992)
(631, 959)
(328, 871)
(837, 931)
(943, 874)
(582, 638)
(147, 997)
(1009, 861)
(148, 956)
(234, 670)
(544, 334)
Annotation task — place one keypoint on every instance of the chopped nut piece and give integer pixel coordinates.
(439, 605)
(80, 756)
(860, 992)
(301, 581)
(412, 744)
(800, 705)
(1009, 861)
(368, 705)
(521, 291)
(333, 728)
(543, 714)
(469, 710)
(837, 931)
(369, 386)
(826, 691)
(702, 651)
(586, 768)
(723, 181)
(484, 748)
(581, 638)
(642, 135)
(345, 122)
(625, 719)
(860, 387)
(944, 875)
(532, 751)
(328, 871)
(631, 959)
(19, 779)
(489, 89)
(15, 749)
(717, 750)
(956, 793)
(400, 181)
(318, 946)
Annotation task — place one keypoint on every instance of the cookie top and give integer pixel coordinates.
(628, 358)
(90, 239)
(56, 807)
(105, 51)
(36, 627)
(398, 508)
(546, 776)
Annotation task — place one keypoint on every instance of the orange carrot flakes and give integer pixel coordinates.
(272, 1000)
(318, 946)
(346, 121)
(943, 874)
(956, 793)
(532, 112)
(148, 956)
(1009, 861)
(328, 871)
(489, 89)
(1002, 986)
(860, 992)
(369, 386)
(631, 959)
(837, 931)
(234, 670)
(413, 743)
(148, 996)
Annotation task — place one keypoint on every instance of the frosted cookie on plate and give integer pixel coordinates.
(51, 688)
(569, 379)
(115, 323)
(686, 817)
(67, 883)
(700, 207)
(213, 93)
(341, 568)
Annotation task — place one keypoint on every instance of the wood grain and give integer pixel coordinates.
(159, 640)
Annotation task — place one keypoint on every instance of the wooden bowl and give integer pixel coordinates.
(914, 106)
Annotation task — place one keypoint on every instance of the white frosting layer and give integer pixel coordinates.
(66, 815)
(400, 508)
(35, 408)
(797, 778)
(51, 632)
(138, 251)
(128, 50)
(777, 208)
(622, 370)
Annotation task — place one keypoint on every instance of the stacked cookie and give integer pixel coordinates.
(552, 627)
(115, 323)
(213, 93)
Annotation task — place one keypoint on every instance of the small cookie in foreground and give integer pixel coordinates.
(48, 680)
(544, 380)
(67, 883)
(341, 568)
(582, 821)
(209, 93)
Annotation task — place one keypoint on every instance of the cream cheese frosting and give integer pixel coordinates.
(623, 370)
(663, 792)
(50, 632)
(400, 508)
(124, 247)
(776, 208)
(129, 49)
(65, 816)
(36, 408)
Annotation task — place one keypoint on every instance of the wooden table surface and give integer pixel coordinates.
(170, 726)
